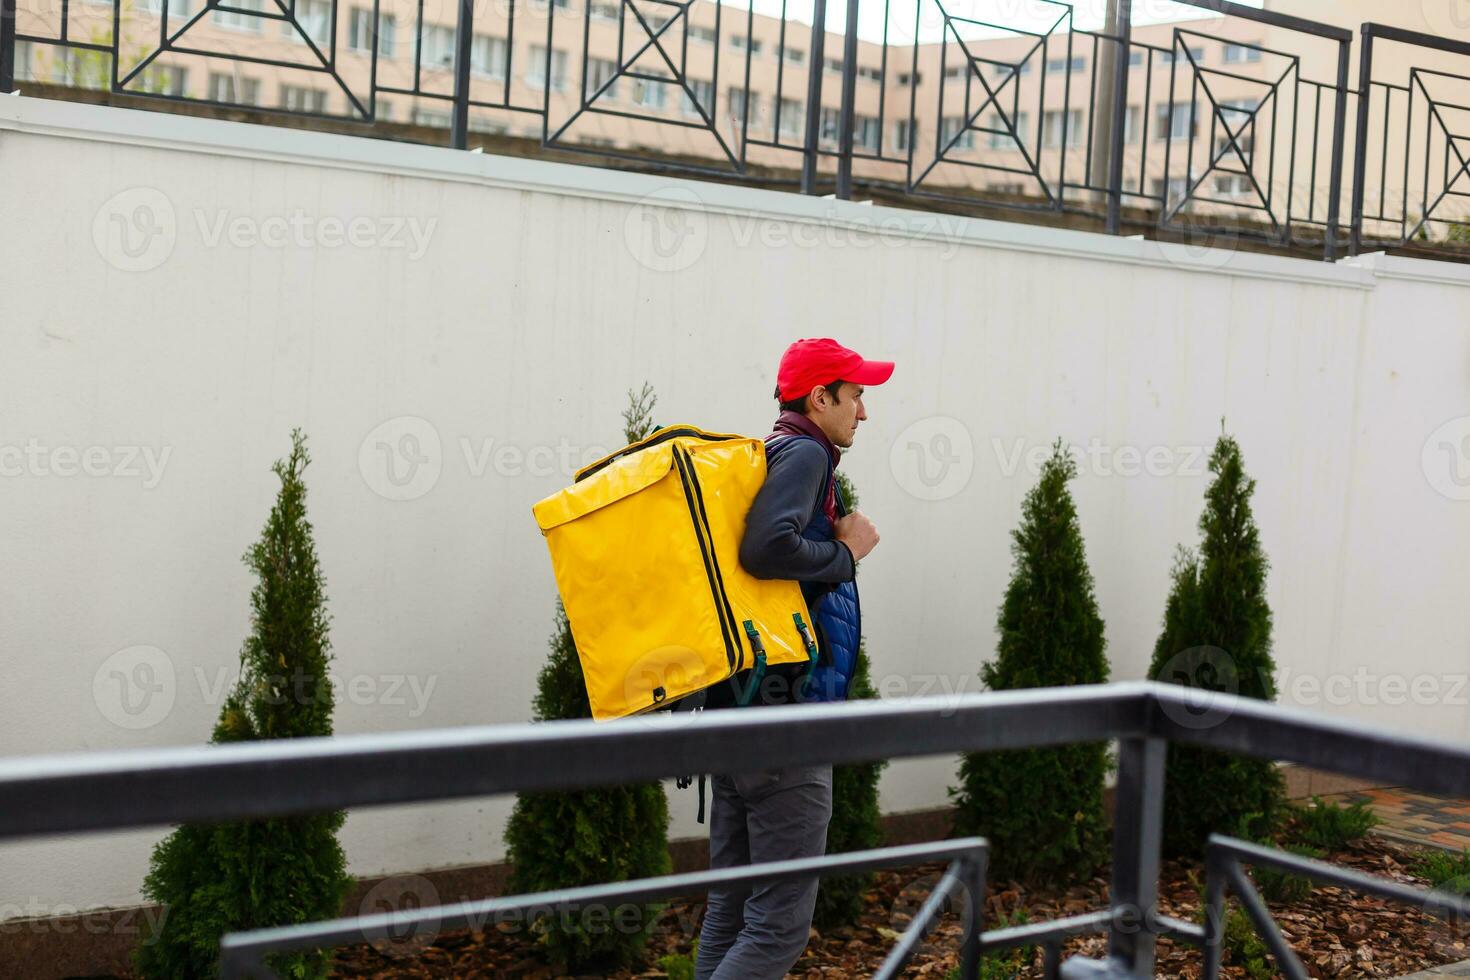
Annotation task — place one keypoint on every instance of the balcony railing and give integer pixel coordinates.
(1242, 124)
(117, 790)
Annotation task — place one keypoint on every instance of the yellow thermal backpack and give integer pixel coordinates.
(645, 548)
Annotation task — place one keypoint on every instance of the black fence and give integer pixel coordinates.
(123, 789)
(1240, 123)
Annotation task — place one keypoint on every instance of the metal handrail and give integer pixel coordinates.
(43, 795)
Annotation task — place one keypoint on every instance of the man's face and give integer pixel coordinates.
(838, 418)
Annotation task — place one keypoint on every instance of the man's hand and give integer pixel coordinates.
(858, 533)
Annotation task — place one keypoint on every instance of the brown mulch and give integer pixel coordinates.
(1336, 933)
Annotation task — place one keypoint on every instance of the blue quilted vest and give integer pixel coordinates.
(834, 609)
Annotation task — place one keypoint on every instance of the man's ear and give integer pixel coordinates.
(818, 397)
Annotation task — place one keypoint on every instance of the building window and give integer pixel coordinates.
(1170, 191)
(360, 31)
(1078, 63)
(793, 114)
(479, 124)
(952, 127)
(1131, 120)
(705, 34)
(536, 71)
(1225, 150)
(176, 8)
(1135, 59)
(1167, 57)
(650, 94)
(604, 11)
(602, 71)
(488, 56)
(827, 127)
(1239, 54)
(905, 78)
(739, 42)
(704, 94)
(166, 80)
(1232, 185)
(238, 19)
(1175, 122)
(872, 74)
(383, 111)
(300, 98)
(89, 69)
(865, 132)
(1235, 114)
(833, 65)
(902, 130)
(1060, 128)
(736, 98)
(1006, 187)
(793, 56)
(540, 5)
(235, 89)
(437, 50)
(1002, 140)
(953, 72)
(315, 18)
(431, 117)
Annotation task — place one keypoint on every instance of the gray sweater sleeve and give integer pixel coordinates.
(773, 546)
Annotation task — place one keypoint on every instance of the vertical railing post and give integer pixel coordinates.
(1123, 28)
(972, 876)
(1214, 913)
(1138, 819)
(460, 126)
(1360, 148)
(7, 46)
(846, 120)
(814, 98)
(1339, 123)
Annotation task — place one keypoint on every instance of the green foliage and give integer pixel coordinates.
(1245, 948)
(562, 840)
(1042, 809)
(1331, 826)
(856, 819)
(680, 966)
(1283, 886)
(1442, 867)
(1217, 637)
(1004, 964)
(219, 878)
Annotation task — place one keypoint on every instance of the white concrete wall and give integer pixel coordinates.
(542, 293)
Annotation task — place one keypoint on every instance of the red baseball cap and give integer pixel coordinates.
(822, 360)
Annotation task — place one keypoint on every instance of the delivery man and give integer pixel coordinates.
(798, 529)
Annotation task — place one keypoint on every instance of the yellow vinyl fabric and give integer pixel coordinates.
(645, 549)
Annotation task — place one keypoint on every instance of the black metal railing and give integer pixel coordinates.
(123, 789)
(1232, 125)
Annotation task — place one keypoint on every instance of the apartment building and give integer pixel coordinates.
(1222, 108)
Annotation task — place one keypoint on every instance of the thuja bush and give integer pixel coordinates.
(213, 879)
(1216, 637)
(1042, 809)
(562, 840)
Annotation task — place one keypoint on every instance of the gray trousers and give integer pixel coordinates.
(758, 933)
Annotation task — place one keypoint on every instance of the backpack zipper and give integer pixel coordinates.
(710, 568)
